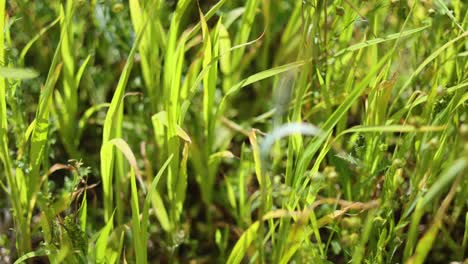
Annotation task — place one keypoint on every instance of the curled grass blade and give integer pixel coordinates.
(44, 30)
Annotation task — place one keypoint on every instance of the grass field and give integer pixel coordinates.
(254, 131)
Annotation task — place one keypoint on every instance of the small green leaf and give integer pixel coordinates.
(18, 73)
(238, 253)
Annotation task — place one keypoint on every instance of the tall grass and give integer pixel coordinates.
(233, 131)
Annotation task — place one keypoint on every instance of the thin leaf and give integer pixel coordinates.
(101, 243)
(37, 253)
(18, 73)
(243, 244)
(258, 77)
(426, 62)
(376, 41)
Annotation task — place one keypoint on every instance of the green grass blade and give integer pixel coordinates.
(161, 118)
(209, 81)
(44, 30)
(112, 128)
(426, 62)
(435, 190)
(448, 12)
(86, 116)
(376, 41)
(149, 195)
(243, 244)
(426, 242)
(21, 224)
(207, 16)
(444, 180)
(84, 212)
(243, 34)
(79, 73)
(225, 58)
(18, 73)
(255, 78)
(101, 242)
(310, 150)
(40, 132)
(37, 253)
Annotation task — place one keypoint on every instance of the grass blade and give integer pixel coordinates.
(18, 73)
(242, 245)
(112, 129)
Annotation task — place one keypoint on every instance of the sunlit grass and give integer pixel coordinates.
(233, 131)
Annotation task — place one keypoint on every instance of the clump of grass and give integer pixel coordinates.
(233, 131)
